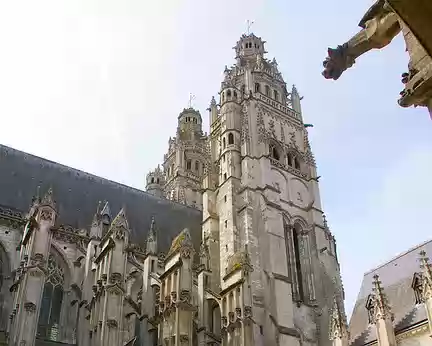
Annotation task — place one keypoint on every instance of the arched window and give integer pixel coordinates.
(257, 87)
(235, 94)
(52, 298)
(152, 180)
(189, 164)
(197, 166)
(157, 180)
(230, 138)
(267, 90)
(228, 94)
(276, 95)
(215, 318)
(290, 159)
(296, 163)
(298, 268)
(223, 143)
(274, 153)
(223, 97)
(243, 89)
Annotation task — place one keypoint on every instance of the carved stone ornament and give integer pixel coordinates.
(247, 312)
(116, 278)
(184, 338)
(30, 307)
(112, 323)
(173, 297)
(46, 215)
(185, 296)
(37, 259)
(224, 321)
(238, 313)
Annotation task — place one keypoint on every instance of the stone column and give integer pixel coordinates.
(383, 317)
(35, 249)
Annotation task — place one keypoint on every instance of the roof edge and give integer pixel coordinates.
(398, 256)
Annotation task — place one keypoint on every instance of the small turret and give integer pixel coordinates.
(189, 124)
(213, 111)
(295, 100)
(155, 182)
(248, 47)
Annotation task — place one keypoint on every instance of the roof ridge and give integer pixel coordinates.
(398, 256)
(93, 176)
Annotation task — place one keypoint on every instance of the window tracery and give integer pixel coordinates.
(52, 299)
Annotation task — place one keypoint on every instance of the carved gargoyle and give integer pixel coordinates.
(379, 26)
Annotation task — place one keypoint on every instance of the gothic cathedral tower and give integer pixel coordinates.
(186, 160)
(270, 253)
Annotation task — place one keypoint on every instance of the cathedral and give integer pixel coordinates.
(228, 246)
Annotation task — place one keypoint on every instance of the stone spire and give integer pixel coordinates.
(213, 111)
(426, 290)
(426, 267)
(152, 239)
(338, 332)
(382, 316)
(48, 199)
(120, 226)
(295, 100)
(382, 309)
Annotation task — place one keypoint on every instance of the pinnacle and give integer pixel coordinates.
(120, 219)
(48, 198)
(106, 210)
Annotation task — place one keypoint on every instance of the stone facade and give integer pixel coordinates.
(259, 267)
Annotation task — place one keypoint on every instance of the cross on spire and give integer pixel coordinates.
(249, 24)
(191, 98)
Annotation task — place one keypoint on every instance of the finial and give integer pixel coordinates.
(48, 197)
(152, 225)
(98, 207)
(338, 324)
(213, 102)
(249, 24)
(381, 306)
(191, 98)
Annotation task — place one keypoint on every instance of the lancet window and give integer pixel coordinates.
(298, 262)
(52, 298)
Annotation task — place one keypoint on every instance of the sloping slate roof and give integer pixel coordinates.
(77, 195)
(396, 277)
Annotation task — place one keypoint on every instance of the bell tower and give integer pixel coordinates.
(186, 160)
(270, 252)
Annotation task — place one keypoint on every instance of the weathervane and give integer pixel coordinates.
(249, 24)
(191, 98)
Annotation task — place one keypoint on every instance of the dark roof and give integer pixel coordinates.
(77, 195)
(396, 277)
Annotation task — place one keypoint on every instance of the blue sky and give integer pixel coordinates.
(98, 85)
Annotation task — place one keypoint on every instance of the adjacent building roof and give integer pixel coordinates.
(77, 195)
(396, 277)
